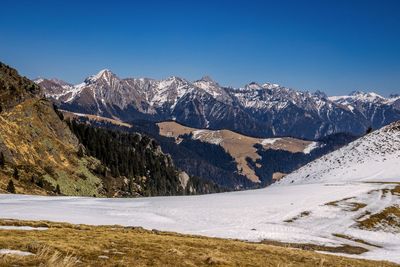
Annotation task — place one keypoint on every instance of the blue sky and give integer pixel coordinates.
(331, 45)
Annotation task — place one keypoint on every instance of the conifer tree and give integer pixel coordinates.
(2, 160)
(11, 187)
(16, 173)
(58, 190)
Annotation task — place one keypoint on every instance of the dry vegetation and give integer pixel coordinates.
(355, 240)
(81, 245)
(301, 215)
(43, 149)
(71, 115)
(237, 145)
(388, 219)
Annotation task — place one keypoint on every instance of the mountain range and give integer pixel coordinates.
(259, 110)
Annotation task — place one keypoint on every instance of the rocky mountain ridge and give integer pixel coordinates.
(266, 110)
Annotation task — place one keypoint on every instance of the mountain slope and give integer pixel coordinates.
(240, 147)
(265, 110)
(40, 152)
(369, 158)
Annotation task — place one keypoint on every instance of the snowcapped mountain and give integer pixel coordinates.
(260, 110)
(375, 108)
(369, 158)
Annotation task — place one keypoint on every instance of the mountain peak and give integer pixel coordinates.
(207, 79)
(270, 85)
(253, 85)
(104, 74)
(366, 96)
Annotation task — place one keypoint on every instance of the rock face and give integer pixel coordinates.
(259, 110)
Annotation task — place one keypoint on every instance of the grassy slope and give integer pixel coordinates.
(82, 245)
(45, 148)
(38, 144)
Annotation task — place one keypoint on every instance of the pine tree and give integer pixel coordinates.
(16, 173)
(40, 183)
(2, 160)
(11, 187)
(58, 190)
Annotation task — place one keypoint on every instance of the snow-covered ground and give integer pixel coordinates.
(288, 211)
(14, 252)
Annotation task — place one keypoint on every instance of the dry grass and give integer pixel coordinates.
(239, 146)
(71, 115)
(43, 148)
(82, 245)
(301, 215)
(346, 205)
(347, 249)
(388, 218)
(356, 240)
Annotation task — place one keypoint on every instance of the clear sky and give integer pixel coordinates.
(332, 45)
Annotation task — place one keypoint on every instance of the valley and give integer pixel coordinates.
(240, 147)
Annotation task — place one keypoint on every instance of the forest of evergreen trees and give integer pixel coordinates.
(137, 158)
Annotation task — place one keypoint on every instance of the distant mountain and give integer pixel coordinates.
(265, 110)
(378, 110)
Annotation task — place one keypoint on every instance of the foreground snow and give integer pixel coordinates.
(15, 252)
(250, 215)
(294, 210)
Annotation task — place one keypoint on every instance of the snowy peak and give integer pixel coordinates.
(212, 87)
(270, 86)
(253, 86)
(103, 75)
(359, 96)
(264, 110)
(207, 79)
(370, 96)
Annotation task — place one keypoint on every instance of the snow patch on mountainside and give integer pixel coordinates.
(370, 158)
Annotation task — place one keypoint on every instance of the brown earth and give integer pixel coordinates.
(237, 145)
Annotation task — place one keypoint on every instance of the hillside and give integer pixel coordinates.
(40, 152)
(230, 160)
(371, 158)
(240, 147)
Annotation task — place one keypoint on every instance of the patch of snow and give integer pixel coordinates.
(310, 147)
(15, 252)
(269, 141)
(23, 228)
